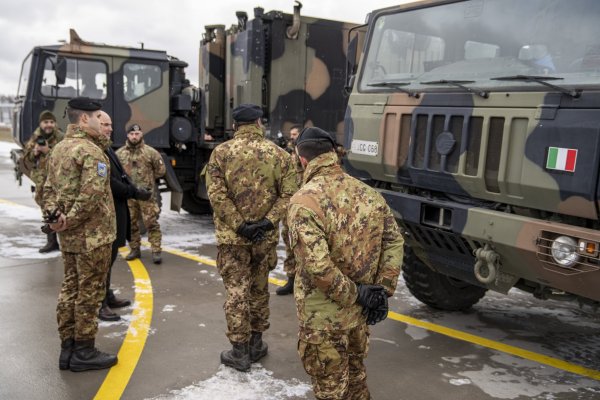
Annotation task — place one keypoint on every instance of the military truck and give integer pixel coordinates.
(479, 121)
(292, 65)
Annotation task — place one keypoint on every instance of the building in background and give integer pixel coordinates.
(6, 105)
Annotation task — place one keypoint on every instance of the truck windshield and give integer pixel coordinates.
(479, 40)
(24, 79)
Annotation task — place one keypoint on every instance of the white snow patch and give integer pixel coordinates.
(375, 339)
(168, 308)
(416, 333)
(227, 384)
(459, 382)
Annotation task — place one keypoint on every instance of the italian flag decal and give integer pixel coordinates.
(561, 159)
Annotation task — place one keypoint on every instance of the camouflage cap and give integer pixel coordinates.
(246, 113)
(47, 114)
(85, 104)
(314, 134)
(134, 127)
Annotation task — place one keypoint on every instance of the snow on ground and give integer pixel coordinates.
(227, 384)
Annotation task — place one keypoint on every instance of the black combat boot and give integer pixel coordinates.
(133, 254)
(66, 349)
(238, 357)
(86, 356)
(288, 288)
(115, 302)
(106, 314)
(258, 348)
(156, 257)
(51, 243)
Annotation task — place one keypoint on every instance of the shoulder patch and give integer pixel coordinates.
(102, 169)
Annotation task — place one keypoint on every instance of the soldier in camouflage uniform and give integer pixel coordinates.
(144, 165)
(289, 264)
(347, 246)
(35, 159)
(78, 185)
(249, 181)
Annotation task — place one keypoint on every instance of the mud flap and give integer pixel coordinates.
(173, 184)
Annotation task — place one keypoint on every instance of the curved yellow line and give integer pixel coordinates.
(131, 350)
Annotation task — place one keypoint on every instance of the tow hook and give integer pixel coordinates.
(486, 267)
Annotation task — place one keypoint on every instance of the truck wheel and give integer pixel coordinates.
(195, 205)
(436, 290)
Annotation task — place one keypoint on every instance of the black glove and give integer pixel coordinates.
(142, 194)
(265, 225)
(251, 231)
(380, 313)
(369, 296)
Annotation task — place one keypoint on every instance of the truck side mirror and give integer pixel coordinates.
(60, 71)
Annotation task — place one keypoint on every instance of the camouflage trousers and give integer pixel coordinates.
(82, 291)
(289, 264)
(334, 361)
(149, 212)
(245, 273)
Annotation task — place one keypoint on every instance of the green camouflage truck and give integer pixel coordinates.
(479, 121)
(292, 65)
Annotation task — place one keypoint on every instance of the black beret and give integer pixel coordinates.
(47, 114)
(314, 134)
(246, 113)
(85, 104)
(134, 127)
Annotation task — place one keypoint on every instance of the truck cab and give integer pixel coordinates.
(479, 121)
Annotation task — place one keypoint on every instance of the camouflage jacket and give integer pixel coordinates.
(342, 233)
(142, 163)
(248, 178)
(78, 184)
(297, 167)
(36, 165)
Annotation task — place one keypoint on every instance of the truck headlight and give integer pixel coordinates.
(564, 251)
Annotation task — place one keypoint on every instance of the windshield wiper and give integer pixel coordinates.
(542, 81)
(459, 84)
(397, 86)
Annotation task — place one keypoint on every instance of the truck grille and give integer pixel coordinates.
(447, 242)
(479, 138)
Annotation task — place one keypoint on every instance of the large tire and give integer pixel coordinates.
(195, 205)
(437, 290)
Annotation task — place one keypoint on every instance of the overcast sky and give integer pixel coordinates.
(174, 26)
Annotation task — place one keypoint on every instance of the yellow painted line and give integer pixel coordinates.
(453, 333)
(12, 203)
(131, 350)
(492, 344)
(206, 261)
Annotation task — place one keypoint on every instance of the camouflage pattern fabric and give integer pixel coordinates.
(37, 165)
(248, 178)
(342, 233)
(149, 212)
(144, 165)
(78, 184)
(289, 263)
(82, 291)
(334, 361)
(245, 272)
